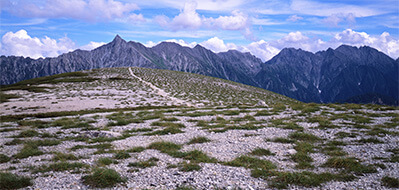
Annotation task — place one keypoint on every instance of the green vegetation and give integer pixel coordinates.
(4, 158)
(301, 156)
(104, 161)
(102, 178)
(28, 150)
(261, 152)
(136, 149)
(197, 140)
(27, 133)
(195, 156)
(12, 181)
(58, 156)
(144, 164)
(370, 140)
(6, 97)
(304, 137)
(282, 140)
(188, 167)
(350, 164)
(252, 163)
(390, 182)
(306, 179)
(165, 147)
(122, 155)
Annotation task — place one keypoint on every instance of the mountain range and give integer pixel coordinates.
(344, 74)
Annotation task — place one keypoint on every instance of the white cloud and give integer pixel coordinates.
(89, 10)
(261, 49)
(92, 45)
(21, 44)
(187, 19)
(384, 42)
(237, 21)
(336, 19)
(266, 50)
(217, 45)
(183, 43)
(294, 18)
(180, 42)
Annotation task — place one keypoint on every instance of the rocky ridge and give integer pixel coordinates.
(346, 74)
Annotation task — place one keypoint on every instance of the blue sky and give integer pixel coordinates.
(47, 28)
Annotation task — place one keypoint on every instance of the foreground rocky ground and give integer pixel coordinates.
(190, 132)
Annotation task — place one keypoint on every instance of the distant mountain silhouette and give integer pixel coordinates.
(346, 74)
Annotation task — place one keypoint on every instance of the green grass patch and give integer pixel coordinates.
(105, 161)
(144, 164)
(350, 164)
(34, 123)
(252, 163)
(4, 158)
(196, 156)
(198, 140)
(370, 140)
(165, 147)
(261, 152)
(170, 119)
(58, 156)
(283, 140)
(136, 149)
(122, 155)
(27, 151)
(304, 137)
(390, 182)
(7, 97)
(188, 167)
(13, 181)
(27, 133)
(306, 179)
(102, 178)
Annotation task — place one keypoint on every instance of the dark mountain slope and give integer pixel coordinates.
(346, 74)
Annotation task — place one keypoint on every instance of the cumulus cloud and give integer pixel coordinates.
(180, 42)
(89, 10)
(261, 49)
(91, 45)
(265, 50)
(237, 21)
(21, 43)
(189, 19)
(217, 45)
(384, 42)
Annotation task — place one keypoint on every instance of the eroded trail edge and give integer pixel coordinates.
(160, 91)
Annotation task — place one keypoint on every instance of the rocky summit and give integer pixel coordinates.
(140, 128)
(346, 74)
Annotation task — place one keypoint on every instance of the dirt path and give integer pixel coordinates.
(159, 91)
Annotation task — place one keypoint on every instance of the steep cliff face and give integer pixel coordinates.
(341, 75)
(346, 74)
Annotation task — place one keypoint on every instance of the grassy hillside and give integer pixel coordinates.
(174, 130)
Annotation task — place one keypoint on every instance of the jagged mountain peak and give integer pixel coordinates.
(117, 39)
(299, 74)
